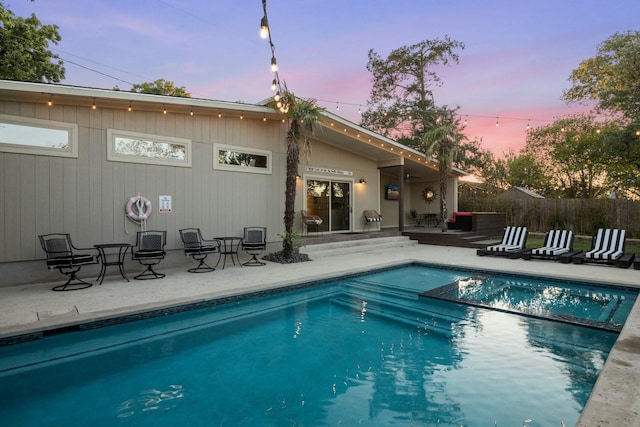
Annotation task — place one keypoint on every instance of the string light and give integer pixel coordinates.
(497, 124)
(282, 102)
(50, 102)
(264, 27)
(164, 109)
(129, 109)
(191, 112)
(93, 106)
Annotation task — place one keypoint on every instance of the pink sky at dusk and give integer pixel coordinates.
(515, 65)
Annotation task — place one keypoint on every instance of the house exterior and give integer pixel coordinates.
(519, 193)
(71, 160)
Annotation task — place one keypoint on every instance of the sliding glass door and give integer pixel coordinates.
(331, 200)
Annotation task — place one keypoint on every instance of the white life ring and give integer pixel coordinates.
(142, 207)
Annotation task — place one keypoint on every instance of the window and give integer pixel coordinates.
(134, 147)
(227, 157)
(40, 137)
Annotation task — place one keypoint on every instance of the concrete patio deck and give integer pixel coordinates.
(31, 308)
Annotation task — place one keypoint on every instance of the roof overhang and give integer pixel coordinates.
(333, 130)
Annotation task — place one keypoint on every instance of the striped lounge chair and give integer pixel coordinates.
(513, 240)
(556, 243)
(607, 246)
(371, 217)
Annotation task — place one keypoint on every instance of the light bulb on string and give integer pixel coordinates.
(274, 64)
(274, 84)
(497, 124)
(264, 28)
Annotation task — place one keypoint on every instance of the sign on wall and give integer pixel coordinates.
(164, 204)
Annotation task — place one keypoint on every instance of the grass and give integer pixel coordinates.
(579, 243)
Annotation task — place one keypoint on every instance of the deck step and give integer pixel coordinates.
(461, 239)
(352, 246)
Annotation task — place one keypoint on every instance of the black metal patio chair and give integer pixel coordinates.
(67, 259)
(149, 251)
(199, 249)
(254, 242)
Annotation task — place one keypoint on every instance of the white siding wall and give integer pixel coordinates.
(86, 196)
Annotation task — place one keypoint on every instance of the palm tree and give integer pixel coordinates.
(303, 116)
(442, 141)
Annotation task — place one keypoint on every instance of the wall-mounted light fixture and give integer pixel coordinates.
(363, 181)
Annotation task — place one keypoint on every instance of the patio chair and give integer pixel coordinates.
(371, 217)
(417, 218)
(556, 243)
(199, 249)
(67, 259)
(607, 246)
(254, 242)
(149, 251)
(513, 240)
(310, 220)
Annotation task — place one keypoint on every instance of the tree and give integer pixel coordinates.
(573, 154)
(526, 171)
(303, 116)
(24, 53)
(160, 87)
(401, 101)
(442, 140)
(612, 77)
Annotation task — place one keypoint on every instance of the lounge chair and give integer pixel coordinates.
(513, 240)
(371, 217)
(607, 246)
(67, 259)
(310, 220)
(199, 249)
(417, 218)
(556, 243)
(254, 242)
(149, 251)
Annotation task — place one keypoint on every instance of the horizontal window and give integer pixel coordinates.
(135, 147)
(228, 157)
(41, 137)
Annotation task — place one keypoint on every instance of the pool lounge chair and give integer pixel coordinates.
(607, 247)
(556, 243)
(371, 217)
(513, 241)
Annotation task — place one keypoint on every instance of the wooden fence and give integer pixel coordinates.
(583, 216)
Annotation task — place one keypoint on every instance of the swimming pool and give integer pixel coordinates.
(366, 350)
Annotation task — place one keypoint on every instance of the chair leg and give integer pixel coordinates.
(202, 267)
(74, 283)
(254, 261)
(149, 273)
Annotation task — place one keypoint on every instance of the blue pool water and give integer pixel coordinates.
(366, 350)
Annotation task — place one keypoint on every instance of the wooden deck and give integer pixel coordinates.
(424, 235)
